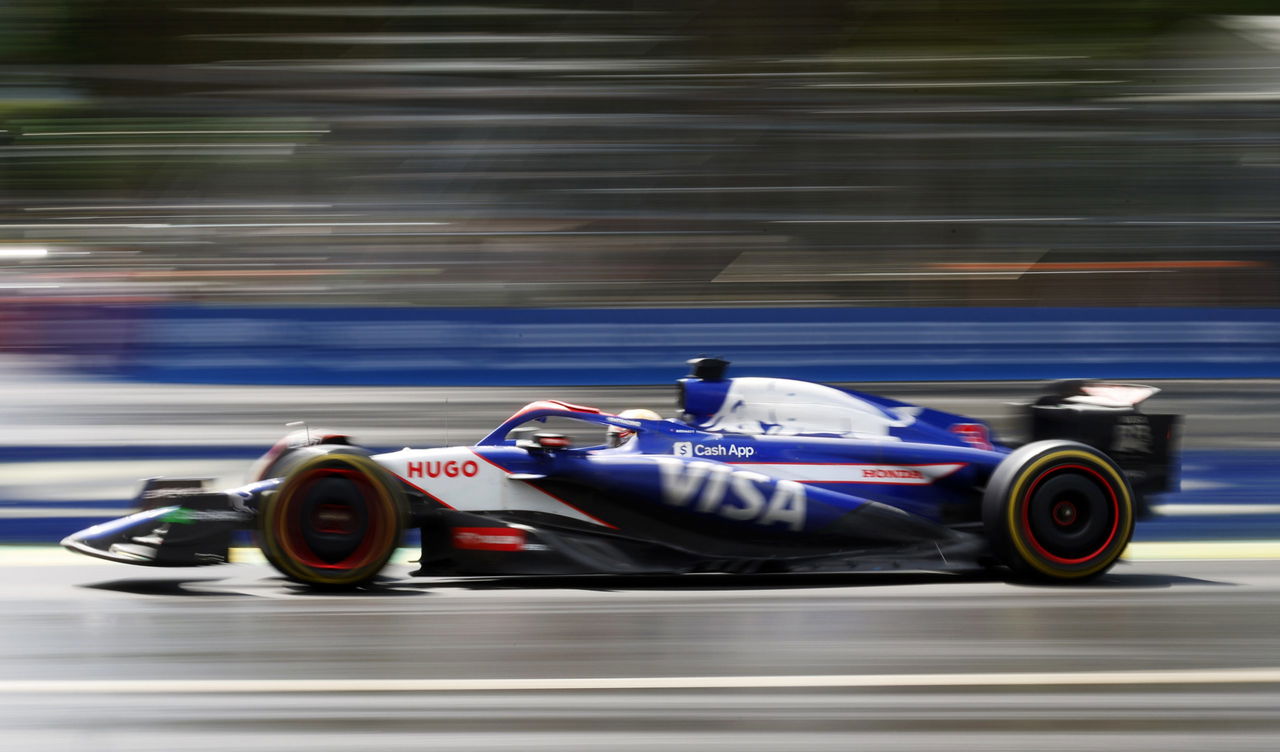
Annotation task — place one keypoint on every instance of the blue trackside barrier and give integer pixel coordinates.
(536, 347)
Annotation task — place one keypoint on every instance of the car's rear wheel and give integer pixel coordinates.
(334, 521)
(1058, 511)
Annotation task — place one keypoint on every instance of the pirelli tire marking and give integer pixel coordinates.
(371, 523)
(1035, 475)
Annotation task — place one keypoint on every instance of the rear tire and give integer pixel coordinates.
(334, 521)
(1058, 511)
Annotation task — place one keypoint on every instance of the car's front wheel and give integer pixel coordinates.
(334, 521)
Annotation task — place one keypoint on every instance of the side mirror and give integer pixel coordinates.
(545, 442)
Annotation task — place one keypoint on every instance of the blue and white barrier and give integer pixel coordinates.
(534, 347)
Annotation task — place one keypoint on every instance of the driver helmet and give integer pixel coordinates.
(619, 435)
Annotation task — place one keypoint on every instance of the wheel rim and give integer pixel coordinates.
(334, 519)
(1070, 514)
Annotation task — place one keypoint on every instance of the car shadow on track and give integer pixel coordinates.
(398, 587)
(218, 586)
(383, 588)
(708, 582)
(1121, 580)
(166, 586)
(778, 581)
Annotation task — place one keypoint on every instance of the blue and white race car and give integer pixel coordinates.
(755, 475)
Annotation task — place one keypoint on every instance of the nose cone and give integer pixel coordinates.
(134, 539)
(173, 536)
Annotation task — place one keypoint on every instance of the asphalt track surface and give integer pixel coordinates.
(1157, 655)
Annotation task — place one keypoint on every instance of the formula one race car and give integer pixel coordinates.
(756, 475)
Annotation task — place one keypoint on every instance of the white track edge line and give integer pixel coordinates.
(251, 686)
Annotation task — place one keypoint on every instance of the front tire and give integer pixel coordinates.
(1058, 511)
(333, 522)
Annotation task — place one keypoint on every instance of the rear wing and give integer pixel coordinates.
(1105, 416)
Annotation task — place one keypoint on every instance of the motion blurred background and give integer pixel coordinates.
(218, 217)
(405, 219)
(219, 191)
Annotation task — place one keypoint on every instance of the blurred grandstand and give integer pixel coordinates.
(665, 153)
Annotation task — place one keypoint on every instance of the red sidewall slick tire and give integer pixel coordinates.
(334, 521)
(1058, 511)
